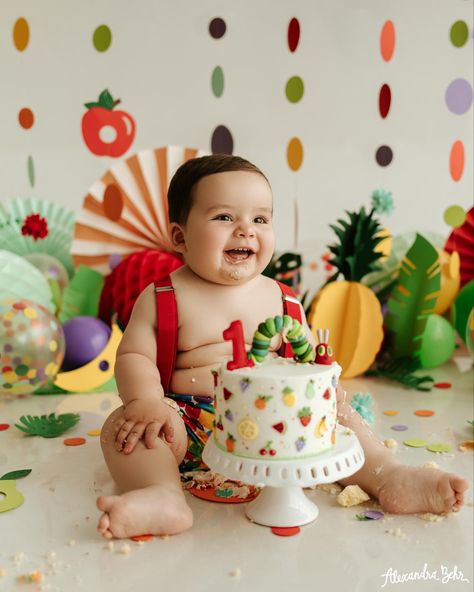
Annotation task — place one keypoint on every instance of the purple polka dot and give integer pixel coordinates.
(104, 365)
(222, 141)
(384, 155)
(373, 514)
(8, 347)
(399, 428)
(16, 360)
(459, 96)
(217, 28)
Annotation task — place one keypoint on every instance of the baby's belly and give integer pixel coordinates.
(193, 370)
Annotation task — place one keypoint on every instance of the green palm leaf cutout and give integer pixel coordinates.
(81, 296)
(47, 426)
(14, 475)
(414, 297)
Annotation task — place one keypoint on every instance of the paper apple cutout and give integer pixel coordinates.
(102, 114)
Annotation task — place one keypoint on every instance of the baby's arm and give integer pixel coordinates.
(138, 380)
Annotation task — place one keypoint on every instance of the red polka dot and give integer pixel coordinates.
(4, 426)
(286, 530)
(442, 385)
(26, 118)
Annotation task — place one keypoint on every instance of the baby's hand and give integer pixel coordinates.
(143, 418)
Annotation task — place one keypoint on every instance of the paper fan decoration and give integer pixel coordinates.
(127, 209)
(462, 240)
(37, 226)
(20, 280)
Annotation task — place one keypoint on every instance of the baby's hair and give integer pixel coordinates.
(180, 199)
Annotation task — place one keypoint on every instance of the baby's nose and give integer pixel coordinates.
(245, 230)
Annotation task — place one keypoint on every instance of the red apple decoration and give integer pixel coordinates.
(102, 114)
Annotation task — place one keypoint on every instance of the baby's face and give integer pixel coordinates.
(228, 237)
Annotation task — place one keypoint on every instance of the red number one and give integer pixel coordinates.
(235, 333)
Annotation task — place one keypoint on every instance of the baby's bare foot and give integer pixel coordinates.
(408, 490)
(152, 510)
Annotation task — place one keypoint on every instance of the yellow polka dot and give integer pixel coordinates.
(31, 373)
(51, 369)
(26, 360)
(8, 316)
(30, 313)
(10, 376)
(94, 432)
(53, 345)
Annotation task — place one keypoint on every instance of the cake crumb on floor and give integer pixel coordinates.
(352, 495)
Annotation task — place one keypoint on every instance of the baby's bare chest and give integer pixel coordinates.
(203, 317)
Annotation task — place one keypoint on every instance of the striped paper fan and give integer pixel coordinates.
(58, 220)
(127, 209)
(462, 240)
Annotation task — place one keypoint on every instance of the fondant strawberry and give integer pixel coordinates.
(230, 443)
(305, 416)
(219, 425)
(227, 394)
(280, 427)
(327, 394)
(300, 443)
(262, 400)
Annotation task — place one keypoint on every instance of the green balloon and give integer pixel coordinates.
(437, 343)
(461, 309)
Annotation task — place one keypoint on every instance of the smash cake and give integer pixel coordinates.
(278, 408)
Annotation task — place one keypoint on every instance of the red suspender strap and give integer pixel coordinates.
(166, 330)
(291, 307)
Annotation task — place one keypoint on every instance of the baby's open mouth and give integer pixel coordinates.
(238, 255)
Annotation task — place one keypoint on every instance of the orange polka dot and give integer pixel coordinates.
(26, 118)
(74, 441)
(424, 412)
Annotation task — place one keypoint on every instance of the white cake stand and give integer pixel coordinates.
(282, 501)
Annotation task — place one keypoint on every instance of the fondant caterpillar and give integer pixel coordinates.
(288, 328)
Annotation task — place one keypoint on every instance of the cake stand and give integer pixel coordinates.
(282, 501)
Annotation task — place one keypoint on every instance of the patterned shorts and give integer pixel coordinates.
(198, 414)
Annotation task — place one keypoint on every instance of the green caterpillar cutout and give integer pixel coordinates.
(285, 326)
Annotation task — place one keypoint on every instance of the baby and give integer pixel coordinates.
(220, 211)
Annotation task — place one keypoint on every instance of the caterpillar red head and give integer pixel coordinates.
(324, 353)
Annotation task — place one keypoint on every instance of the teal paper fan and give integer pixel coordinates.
(37, 226)
(21, 280)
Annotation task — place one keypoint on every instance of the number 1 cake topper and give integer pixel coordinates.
(235, 333)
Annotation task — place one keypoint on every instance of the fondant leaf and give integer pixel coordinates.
(47, 426)
(14, 475)
(414, 297)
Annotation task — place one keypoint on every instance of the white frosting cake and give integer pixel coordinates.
(279, 409)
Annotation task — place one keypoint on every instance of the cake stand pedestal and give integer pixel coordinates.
(282, 501)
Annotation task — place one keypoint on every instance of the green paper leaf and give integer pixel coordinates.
(14, 475)
(402, 370)
(414, 297)
(47, 426)
(81, 296)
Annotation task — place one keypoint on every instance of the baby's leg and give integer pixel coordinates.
(152, 500)
(400, 489)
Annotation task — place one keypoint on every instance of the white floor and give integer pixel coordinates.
(54, 530)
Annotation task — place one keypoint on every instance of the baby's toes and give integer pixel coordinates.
(104, 523)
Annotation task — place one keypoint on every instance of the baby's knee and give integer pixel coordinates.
(108, 430)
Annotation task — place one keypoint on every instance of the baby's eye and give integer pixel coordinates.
(260, 220)
(224, 217)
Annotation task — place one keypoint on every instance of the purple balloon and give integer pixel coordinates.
(85, 338)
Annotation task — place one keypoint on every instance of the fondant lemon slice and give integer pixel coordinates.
(248, 429)
(97, 372)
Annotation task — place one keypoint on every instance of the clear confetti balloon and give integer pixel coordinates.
(31, 346)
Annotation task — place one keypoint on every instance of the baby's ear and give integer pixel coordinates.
(177, 238)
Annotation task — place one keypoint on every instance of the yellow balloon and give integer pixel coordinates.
(294, 154)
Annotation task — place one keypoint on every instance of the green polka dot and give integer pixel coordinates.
(21, 369)
(415, 443)
(441, 447)
(455, 216)
(102, 38)
(459, 33)
(217, 82)
(294, 89)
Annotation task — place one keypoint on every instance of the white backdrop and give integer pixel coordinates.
(160, 64)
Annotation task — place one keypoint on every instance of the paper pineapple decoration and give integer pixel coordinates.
(347, 308)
